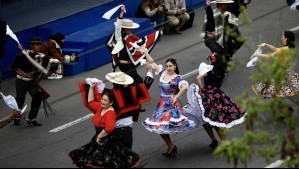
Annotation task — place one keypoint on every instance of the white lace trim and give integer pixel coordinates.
(183, 82)
(165, 123)
(199, 99)
(174, 130)
(213, 123)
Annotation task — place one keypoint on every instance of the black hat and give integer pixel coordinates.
(58, 37)
(35, 39)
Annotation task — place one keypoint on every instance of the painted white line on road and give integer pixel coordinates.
(295, 29)
(91, 115)
(276, 164)
(190, 74)
(71, 123)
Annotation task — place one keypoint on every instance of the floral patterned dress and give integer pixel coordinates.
(289, 86)
(213, 105)
(168, 119)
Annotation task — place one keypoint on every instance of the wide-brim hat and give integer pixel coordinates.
(128, 24)
(223, 1)
(35, 39)
(119, 78)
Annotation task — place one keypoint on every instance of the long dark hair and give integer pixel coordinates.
(219, 63)
(290, 38)
(173, 61)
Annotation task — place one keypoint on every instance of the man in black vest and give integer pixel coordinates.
(26, 80)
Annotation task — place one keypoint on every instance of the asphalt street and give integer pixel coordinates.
(48, 146)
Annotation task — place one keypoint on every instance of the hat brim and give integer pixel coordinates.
(227, 2)
(35, 42)
(135, 26)
(129, 79)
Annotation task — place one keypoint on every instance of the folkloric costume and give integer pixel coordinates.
(225, 26)
(124, 54)
(125, 101)
(53, 57)
(113, 154)
(212, 105)
(27, 69)
(128, 101)
(290, 86)
(166, 118)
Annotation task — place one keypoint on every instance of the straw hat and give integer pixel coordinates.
(223, 1)
(129, 24)
(119, 78)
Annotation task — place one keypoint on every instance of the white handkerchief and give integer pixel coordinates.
(254, 57)
(252, 62)
(142, 62)
(256, 52)
(11, 34)
(99, 83)
(23, 110)
(12, 103)
(109, 13)
(204, 68)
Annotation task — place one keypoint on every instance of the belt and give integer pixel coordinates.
(24, 78)
(123, 128)
(126, 62)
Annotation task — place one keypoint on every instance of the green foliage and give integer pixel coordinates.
(241, 149)
(292, 163)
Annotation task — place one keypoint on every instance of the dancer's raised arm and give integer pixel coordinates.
(149, 58)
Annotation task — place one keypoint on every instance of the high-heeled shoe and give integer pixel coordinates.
(172, 152)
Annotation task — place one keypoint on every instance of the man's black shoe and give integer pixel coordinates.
(17, 121)
(34, 122)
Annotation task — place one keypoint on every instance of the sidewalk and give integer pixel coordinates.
(24, 14)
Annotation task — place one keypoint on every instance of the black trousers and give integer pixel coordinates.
(125, 136)
(230, 47)
(22, 87)
(130, 70)
(214, 46)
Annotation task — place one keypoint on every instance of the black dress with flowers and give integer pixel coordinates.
(219, 109)
(110, 155)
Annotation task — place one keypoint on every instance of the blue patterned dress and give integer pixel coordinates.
(168, 119)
